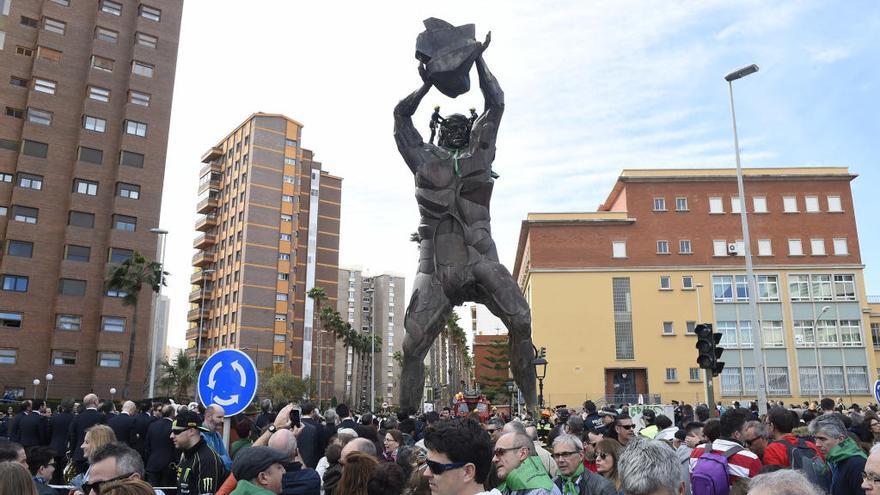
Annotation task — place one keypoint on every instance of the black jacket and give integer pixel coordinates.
(298, 480)
(59, 429)
(158, 446)
(142, 422)
(123, 426)
(327, 432)
(308, 440)
(78, 427)
(33, 429)
(200, 470)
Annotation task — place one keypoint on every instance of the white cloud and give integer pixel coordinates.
(829, 55)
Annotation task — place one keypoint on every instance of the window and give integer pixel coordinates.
(857, 379)
(107, 35)
(118, 255)
(285, 237)
(621, 297)
(71, 287)
(102, 63)
(63, 358)
(694, 374)
(665, 282)
(289, 179)
(112, 8)
(671, 374)
(840, 248)
(16, 113)
(817, 247)
(684, 247)
(735, 205)
(15, 283)
(99, 94)
(765, 247)
(659, 204)
(287, 198)
(681, 204)
(795, 248)
(150, 13)
(809, 379)
(29, 21)
(687, 282)
(277, 359)
(812, 204)
(789, 204)
(124, 222)
(19, 82)
(94, 123)
(116, 293)
(13, 320)
(844, 287)
(668, 328)
(283, 276)
(6, 177)
(141, 69)
(24, 214)
(81, 219)
(821, 287)
(727, 329)
(768, 288)
(662, 247)
(145, 39)
(91, 155)
(110, 359)
(826, 332)
(112, 324)
(283, 256)
(81, 186)
(740, 248)
(850, 333)
(834, 204)
(30, 181)
(138, 98)
(875, 335)
(131, 159)
(54, 25)
(832, 378)
(777, 380)
(286, 218)
(77, 253)
(135, 128)
(719, 248)
(22, 249)
(280, 296)
(759, 204)
(130, 191)
(280, 317)
(290, 142)
(44, 86)
(37, 116)
(23, 50)
(8, 356)
(68, 322)
(618, 249)
(731, 381)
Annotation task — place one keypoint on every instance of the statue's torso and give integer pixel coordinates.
(457, 185)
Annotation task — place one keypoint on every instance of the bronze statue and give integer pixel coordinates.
(458, 261)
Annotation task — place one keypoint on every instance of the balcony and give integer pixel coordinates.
(213, 166)
(200, 277)
(204, 258)
(205, 241)
(192, 333)
(207, 223)
(196, 295)
(208, 204)
(873, 299)
(212, 154)
(213, 182)
(196, 313)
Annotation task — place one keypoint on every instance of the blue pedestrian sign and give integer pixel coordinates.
(877, 390)
(229, 379)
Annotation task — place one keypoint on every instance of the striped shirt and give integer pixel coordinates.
(743, 464)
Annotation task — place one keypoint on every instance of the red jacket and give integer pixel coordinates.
(590, 465)
(777, 453)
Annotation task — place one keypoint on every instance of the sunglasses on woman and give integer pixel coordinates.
(603, 455)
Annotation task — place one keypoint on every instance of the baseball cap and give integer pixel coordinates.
(187, 419)
(252, 461)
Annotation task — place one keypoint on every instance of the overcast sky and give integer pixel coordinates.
(591, 88)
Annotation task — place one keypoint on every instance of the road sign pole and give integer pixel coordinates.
(227, 423)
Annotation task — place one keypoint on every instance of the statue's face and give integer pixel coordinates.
(455, 132)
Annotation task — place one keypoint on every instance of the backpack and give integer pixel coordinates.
(803, 458)
(710, 472)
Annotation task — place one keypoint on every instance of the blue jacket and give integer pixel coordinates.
(300, 480)
(215, 441)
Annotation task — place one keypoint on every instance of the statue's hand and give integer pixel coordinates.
(423, 73)
(486, 41)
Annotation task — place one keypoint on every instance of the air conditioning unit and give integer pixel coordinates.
(732, 249)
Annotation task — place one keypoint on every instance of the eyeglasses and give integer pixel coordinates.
(560, 455)
(603, 455)
(627, 427)
(94, 487)
(178, 431)
(439, 468)
(873, 478)
(750, 441)
(500, 451)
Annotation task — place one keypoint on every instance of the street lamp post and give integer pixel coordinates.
(153, 342)
(699, 307)
(760, 377)
(36, 384)
(370, 291)
(49, 378)
(816, 343)
(540, 364)
(511, 388)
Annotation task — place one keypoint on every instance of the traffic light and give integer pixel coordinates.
(542, 352)
(709, 351)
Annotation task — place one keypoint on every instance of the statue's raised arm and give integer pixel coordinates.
(409, 141)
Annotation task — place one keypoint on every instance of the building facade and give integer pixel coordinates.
(615, 294)
(270, 233)
(372, 305)
(82, 159)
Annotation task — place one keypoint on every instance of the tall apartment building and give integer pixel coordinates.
(371, 305)
(87, 92)
(615, 294)
(270, 233)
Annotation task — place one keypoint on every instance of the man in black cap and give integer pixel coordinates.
(259, 471)
(199, 469)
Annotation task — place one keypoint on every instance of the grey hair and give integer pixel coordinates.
(364, 445)
(284, 441)
(648, 466)
(782, 482)
(532, 432)
(330, 416)
(570, 439)
(759, 427)
(830, 424)
(514, 427)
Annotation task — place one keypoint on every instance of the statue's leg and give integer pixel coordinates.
(425, 316)
(503, 298)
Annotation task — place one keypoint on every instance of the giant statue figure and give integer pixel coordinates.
(458, 261)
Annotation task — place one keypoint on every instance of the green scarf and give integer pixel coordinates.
(844, 450)
(568, 486)
(528, 476)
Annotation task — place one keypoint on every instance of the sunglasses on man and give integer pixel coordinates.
(439, 468)
(94, 487)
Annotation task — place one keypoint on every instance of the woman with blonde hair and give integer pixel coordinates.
(356, 474)
(96, 437)
(607, 454)
(16, 480)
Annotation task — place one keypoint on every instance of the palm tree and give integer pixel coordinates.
(179, 375)
(318, 295)
(130, 277)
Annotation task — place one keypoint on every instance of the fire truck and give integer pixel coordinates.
(469, 401)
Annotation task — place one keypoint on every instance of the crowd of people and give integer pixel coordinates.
(90, 449)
